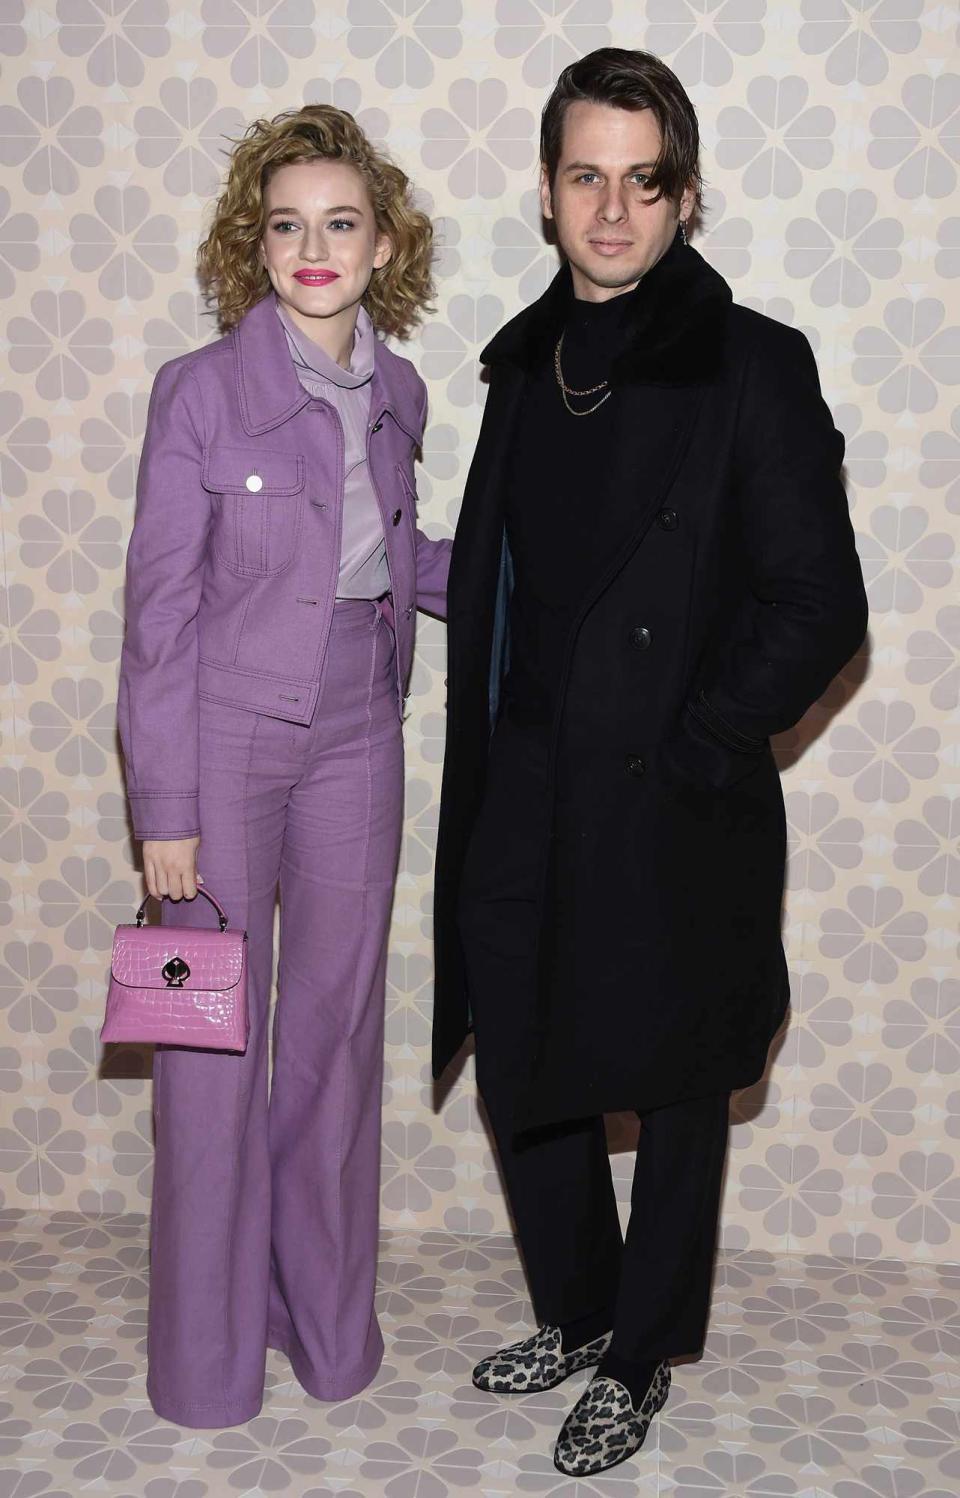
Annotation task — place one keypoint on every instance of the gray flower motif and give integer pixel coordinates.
(86, 903)
(121, 1275)
(818, 1019)
(111, 1448)
(267, 1452)
(937, 1436)
(924, 1199)
(74, 1073)
(477, 137)
(682, 1420)
(901, 559)
(809, 1429)
(549, 34)
(467, 1246)
(795, 1314)
(922, 140)
(861, 1109)
(77, 724)
(886, 1482)
(59, 346)
(25, 446)
(13, 35)
(420, 828)
(952, 1109)
(41, 1317)
(49, 137)
(884, 751)
(33, 991)
(934, 657)
(133, 1152)
(6, 907)
(402, 1286)
(727, 240)
(506, 1297)
(699, 36)
(189, 325)
(71, 541)
(404, 36)
(819, 841)
(105, 639)
(776, 139)
(874, 1375)
(513, 1421)
(927, 1026)
(386, 1396)
(69, 1381)
(113, 446)
(28, 635)
(414, 1167)
(41, 1151)
(911, 358)
(845, 249)
(450, 349)
(756, 1107)
(432, 1462)
(30, 817)
(857, 35)
(725, 1472)
(123, 244)
(947, 262)
(520, 249)
(932, 1322)
(866, 451)
(857, 1267)
(114, 52)
(19, 250)
(409, 999)
(790, 1191)
(444, 1343)
(185, 135)
(940, 468)
(932, 847)
(873, 935)
(734, 1366)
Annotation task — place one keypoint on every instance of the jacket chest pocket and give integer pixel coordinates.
(260, 513)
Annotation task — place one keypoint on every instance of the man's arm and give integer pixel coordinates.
(804, 612)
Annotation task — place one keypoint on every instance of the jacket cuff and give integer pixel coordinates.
(164, 814)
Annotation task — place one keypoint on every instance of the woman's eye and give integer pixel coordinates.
(341, 223)
(284, 223)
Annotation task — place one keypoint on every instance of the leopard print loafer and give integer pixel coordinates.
(603, 1428)
(536, 1363)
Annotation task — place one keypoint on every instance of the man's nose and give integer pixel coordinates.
(613, 205)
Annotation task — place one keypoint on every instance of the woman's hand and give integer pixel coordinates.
(170, 867)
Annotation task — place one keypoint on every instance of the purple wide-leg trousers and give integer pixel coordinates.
(265, 1211)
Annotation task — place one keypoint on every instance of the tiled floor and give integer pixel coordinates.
(822, 1378)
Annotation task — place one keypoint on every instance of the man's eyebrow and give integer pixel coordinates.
(339, 208)
(589, 166)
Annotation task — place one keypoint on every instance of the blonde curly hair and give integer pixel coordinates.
(229, 267)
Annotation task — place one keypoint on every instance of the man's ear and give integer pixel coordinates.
(546, 196)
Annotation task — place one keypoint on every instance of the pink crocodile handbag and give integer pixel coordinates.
(179, 985)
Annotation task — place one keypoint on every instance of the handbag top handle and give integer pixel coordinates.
(200, 891)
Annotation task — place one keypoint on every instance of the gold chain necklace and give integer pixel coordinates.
(566, 389)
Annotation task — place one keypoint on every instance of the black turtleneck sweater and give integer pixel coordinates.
(561, 515)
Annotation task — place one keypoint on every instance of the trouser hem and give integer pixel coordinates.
(206, 1415)
(336, 1386)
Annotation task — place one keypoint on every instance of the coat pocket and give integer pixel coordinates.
(260, 511)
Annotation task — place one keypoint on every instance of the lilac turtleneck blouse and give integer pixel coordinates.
(363, 554)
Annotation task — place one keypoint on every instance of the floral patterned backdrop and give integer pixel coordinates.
(831, 133)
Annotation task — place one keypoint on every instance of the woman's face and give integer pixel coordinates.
(320, 242)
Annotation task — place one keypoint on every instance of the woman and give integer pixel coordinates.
(272, 576)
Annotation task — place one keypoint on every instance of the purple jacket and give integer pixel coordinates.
(233, 559)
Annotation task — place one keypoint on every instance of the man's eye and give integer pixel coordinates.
(641, 178)
(584, 175)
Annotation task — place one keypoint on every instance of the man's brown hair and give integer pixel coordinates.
(630, 80)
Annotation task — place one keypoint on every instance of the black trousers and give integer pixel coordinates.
(655, 1286)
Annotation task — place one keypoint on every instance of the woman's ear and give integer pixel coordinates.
(383, 252)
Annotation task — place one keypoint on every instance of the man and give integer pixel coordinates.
(653, 571)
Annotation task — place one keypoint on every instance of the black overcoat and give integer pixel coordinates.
(721, 613)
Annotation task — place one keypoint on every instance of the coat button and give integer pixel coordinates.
(635, 765)
(408, 610)
(640, 637)
(254, 483)
(668, 520)
(396, 516)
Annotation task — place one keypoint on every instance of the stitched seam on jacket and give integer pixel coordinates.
(721, 729)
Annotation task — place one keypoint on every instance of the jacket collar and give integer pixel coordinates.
(676, 323)
(269, 389)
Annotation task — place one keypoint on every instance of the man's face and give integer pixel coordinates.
(607, 226)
